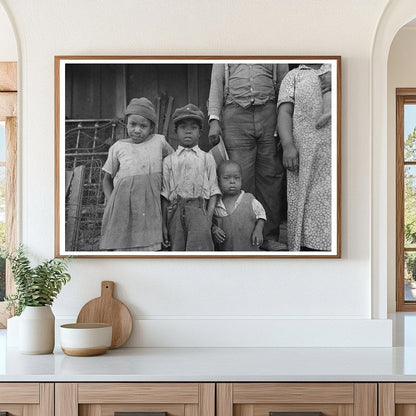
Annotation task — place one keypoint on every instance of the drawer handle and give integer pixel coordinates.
(139, 414)
(295, 413)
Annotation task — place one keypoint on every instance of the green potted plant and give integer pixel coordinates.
(36, 289)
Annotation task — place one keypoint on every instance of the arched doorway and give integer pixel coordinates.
(395, 16)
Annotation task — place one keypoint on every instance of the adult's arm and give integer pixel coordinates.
(215, 103)
(285, 130)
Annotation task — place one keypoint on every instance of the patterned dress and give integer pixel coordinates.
(132, 218)
(308, 189)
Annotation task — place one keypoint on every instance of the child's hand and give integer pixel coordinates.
(323, 120)
(172, 207)
(290, 157)
(218, 234)
(257, 237)
(166, 241)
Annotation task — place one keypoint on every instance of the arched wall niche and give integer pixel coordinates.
(396, 14)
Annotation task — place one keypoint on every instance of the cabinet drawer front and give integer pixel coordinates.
(129, 409)
(405, 393)
(341, 393)
(138, 393)
(19, 393)
(287, 409)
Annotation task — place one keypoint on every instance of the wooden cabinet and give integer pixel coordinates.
(27, 399)
(208, 399)
(105, 399)
(332, 399)
(397, 399)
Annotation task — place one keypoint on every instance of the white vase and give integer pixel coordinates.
(37, 330)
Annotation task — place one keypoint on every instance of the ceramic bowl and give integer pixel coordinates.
(84, 340)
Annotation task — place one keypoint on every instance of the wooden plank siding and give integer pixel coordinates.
(95, 91)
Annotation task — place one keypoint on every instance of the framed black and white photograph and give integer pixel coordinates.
(198, 156)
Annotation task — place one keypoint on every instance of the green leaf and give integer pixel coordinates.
(35, 286)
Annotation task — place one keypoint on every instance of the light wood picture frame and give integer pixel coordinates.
(91, 97)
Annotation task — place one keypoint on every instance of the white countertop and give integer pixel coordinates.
(222, 364)
(215, 364)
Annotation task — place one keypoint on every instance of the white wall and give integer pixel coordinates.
(8, 46)
(212, 302)
(401, 74)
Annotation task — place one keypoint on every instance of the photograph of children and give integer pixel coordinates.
(198, 157)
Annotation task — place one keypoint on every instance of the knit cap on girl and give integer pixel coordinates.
(141, 119)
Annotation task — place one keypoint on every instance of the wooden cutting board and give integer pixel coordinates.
(108, 310)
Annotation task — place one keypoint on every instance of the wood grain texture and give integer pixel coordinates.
(400, 305)
(111, 311)
(189, 410)
(8, 105)
(13, 409)
(341, 393)
(244, 410)
(47, 399)
(66, 399)
(91, 410)
(84, 352)
(405, 393)
(365, 399)
(339, 156)
(11, 207)
(386, 399)
(27, 393)
(405, 410)
(138, 393)
(207, 399)
(11, 190)
(224, 403)
(345, 410)
(264, 409)
(403, 96)
(8, 76)
(170, 409)
(30, 410)
(405, 91)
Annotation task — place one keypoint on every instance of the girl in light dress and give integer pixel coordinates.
(132, 219)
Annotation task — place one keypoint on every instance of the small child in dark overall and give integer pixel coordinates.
(238, 217)
(190, 188)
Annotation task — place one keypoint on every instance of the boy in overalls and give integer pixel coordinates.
(189, 189)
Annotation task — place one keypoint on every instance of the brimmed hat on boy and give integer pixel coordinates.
(142, 107)
(188, 111)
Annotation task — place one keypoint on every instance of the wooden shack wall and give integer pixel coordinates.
(100, 91)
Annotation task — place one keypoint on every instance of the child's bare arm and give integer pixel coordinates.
(257, 235)
(211, 206)
(165, 232)
(108, 186)
(285, 129)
